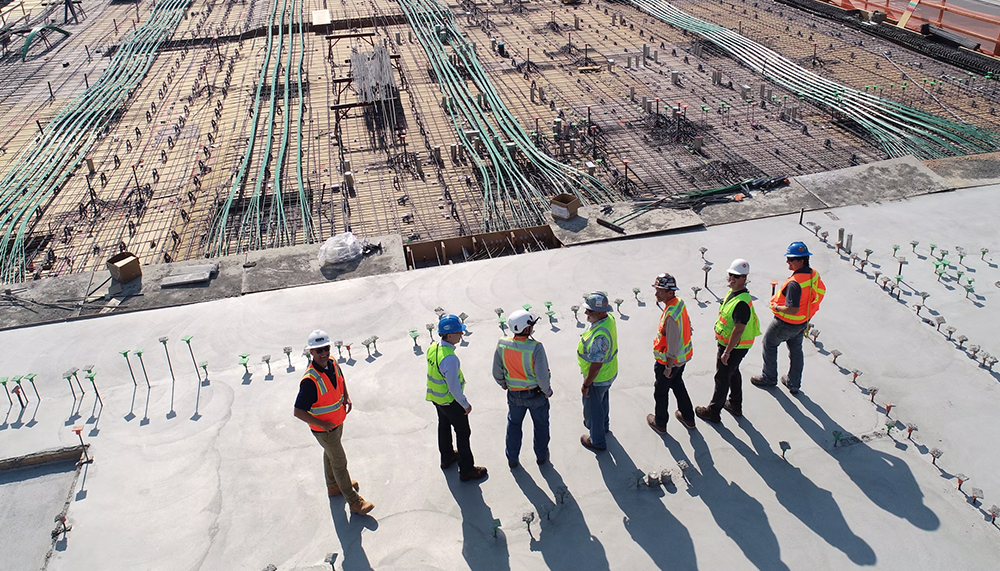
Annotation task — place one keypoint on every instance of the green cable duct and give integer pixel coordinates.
(505, 188)
(900, 129)
(40, 170)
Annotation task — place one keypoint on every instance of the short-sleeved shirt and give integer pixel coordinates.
(793, 291)
(741, 313)
(308, 396)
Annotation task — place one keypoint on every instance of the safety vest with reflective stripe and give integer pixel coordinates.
(724, 325)
(813, 290)
(604, 328)
(437, 387)
(519, 367)
(329, 403)
(675, 310)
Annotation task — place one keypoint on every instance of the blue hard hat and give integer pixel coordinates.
(450, 324)
(797, 250)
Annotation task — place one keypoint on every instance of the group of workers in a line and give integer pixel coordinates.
(521, 367)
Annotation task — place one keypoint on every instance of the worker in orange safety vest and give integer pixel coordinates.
(672, 349)
(793, 305)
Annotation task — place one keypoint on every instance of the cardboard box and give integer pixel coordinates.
(564, 206)
(124, 267)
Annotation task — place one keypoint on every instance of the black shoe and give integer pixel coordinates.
(541, 461)
(706, 415)
(476, 473)
(513, 464)
(445, 464)
(737, 412)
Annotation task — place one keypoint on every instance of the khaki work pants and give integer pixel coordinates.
(335, 463)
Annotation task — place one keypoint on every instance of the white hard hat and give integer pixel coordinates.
(318, 339)
(521, 320)
(740, 267)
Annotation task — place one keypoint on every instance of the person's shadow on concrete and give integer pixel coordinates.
(349, 532)
(652, 527)
(736, 513)
(481, 548)
(811, 504)
(564, 541)
(884, 478)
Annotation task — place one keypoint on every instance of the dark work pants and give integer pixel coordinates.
(728, 381)
(452, 415)
(661, 394)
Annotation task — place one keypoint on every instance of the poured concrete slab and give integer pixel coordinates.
(219, 475)
(584, 229)
(968, 171)
(892, 179)
(784, 200)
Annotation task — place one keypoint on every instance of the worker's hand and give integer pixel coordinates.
(548, 396)
(468, 410)
(327, 426)
(670, 372)
(585, 390)
(725, 358)
(348, 404)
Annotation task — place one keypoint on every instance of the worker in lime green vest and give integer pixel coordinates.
(597, 354)
(446, 389)
(735, 330)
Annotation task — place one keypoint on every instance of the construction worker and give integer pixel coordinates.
(793, 305)
(446, 389)
(521, 367)
(735, 330)
(323, 402)
(672, 350)
(597, 354)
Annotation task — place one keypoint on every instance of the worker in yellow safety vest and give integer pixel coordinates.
(323, 403)
(793, 305)
(672, 350)
(735, 330)
(597, 354)
(521, 367)
(446, 389)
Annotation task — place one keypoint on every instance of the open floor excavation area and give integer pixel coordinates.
(198, 463)
(171, 175)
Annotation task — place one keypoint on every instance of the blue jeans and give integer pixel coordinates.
(779, 332)
(596, 409)
(518, 404)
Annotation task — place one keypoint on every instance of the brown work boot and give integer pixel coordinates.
(445, 464)
(335, 490)
(737, 412)
(476, 473)
(680, 417)
(707, 415)
(362, 506)
(651, 421)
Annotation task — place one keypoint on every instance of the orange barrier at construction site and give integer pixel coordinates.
(970, 23)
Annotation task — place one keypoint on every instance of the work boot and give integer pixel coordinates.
(362, 506)
(760, 381)
(737, 412)
(476, 473)
(541, 461)
(680, 417)
(707, 415)
(445, 464)
(791, 389)
(651, 421)
(585, 440)
(335, 490)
